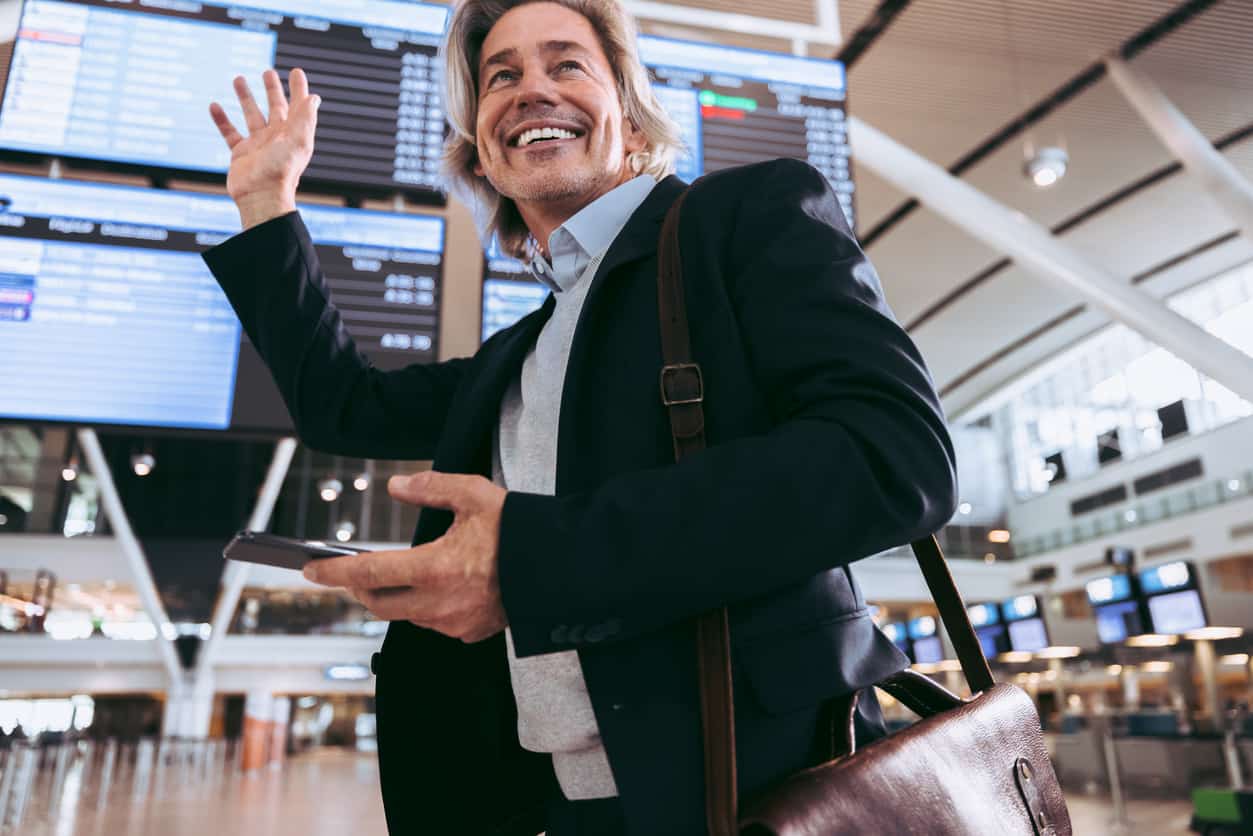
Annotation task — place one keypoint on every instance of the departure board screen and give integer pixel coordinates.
(510, 292)
(739, 106)
(130, 81)
(108, 314)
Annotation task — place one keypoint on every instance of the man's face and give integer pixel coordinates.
(550, 125)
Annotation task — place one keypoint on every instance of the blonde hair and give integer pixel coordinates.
(471, 21)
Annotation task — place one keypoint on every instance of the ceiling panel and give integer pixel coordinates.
(945, 76)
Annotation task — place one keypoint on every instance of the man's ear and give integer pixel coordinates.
(634, 139)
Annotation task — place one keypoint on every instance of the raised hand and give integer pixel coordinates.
(267, 163)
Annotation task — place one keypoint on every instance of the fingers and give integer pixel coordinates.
(253, 117)
(432, 489)
(299, 83)
(224, 125)
(389, 604)
(274, 95)
(369, 570)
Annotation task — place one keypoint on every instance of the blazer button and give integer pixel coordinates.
(376, 662)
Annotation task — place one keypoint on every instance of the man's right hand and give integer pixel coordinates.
(266, 165)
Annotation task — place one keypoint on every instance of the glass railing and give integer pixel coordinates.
(1164, 506)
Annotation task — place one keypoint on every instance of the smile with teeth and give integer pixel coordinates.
(541, 134)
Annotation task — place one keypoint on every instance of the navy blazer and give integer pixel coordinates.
(827, 444)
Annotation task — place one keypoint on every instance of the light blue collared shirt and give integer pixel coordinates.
(588, 234)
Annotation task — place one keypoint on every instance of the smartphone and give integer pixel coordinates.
(285, 552)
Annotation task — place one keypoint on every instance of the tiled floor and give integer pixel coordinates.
(335, 793)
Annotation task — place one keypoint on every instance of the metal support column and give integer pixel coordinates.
(1217, 175)
(235, 576)
(1036, 249)
(89, 443)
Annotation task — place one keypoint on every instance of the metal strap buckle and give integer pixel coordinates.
(681, 383)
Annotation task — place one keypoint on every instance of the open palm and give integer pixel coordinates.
(267, 163)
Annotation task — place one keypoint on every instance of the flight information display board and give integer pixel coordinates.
(510, 292)
(108, 314)
(130, 81)
(737, 106)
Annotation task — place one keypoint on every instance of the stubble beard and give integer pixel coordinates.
(553, 184)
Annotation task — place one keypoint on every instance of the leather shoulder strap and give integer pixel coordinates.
(682, 392)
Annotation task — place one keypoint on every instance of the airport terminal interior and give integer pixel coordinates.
(1057, 196)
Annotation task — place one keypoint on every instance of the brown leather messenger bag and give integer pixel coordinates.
(968, 767)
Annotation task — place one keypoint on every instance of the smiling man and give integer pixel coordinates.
(540, 670)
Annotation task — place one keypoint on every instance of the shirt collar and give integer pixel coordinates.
(588, 233)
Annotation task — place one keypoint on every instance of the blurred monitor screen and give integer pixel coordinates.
(897, 632)
(1117, 621)
(737, 106)
(130, 82)
(1020, 607)
(1123, 556)
(928, 650)
(1177, 612)
(1166, 577)
(993, 639)
(510, 292)
(108, 314)
(1108, 589)
(921, 627)
(1028, 635)
(983, 614)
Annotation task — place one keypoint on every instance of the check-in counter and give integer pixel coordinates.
(1172, 766)
(1078, 759)
(1245, 747)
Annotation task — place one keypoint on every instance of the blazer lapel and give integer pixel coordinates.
(470, 428)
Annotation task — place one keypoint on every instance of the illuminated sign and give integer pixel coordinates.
(1023, 606)
(1110, 589)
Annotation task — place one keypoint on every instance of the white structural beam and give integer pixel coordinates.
(1218, 176)
(826, 31)
(135, 559)
(1035, 248)
(235, 575)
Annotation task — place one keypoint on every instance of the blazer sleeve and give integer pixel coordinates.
(858, 460)
(338, 401)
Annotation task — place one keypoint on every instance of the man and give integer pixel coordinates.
(540, 670)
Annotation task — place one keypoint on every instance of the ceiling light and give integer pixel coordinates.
(1015, 656)
(989, 558)
(1158, 666)
(1213, 633)
(330, 488)
(1046, 166)
(1130, 515)
(69, 473)
(143, 463)
(998, 535)
(1113, 670)
(1152, 640)
(362, 481)
(965, 508)
(1233, 485)
(1234, 659)
(344, 531)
